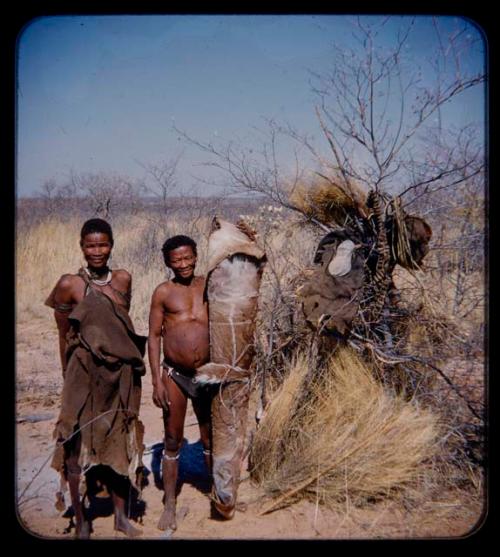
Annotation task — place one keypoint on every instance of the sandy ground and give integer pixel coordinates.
(39, 383)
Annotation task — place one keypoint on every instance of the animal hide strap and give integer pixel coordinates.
(220, 373)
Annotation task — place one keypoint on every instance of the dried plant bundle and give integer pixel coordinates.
(326, 200)
(339, 435)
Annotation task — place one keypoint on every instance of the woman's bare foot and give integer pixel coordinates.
(122, 524)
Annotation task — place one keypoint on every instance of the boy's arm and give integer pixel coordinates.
(156, 315)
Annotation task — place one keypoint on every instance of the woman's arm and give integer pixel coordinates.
(63, 301)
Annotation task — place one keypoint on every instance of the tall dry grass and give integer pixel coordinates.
(43, 253)
(46, 250)
(51, 248)
(342, 436)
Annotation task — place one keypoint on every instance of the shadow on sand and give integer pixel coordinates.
(192, 467)
(98, 502)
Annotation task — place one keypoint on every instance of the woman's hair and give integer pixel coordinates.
(176, 242)
(96, 225)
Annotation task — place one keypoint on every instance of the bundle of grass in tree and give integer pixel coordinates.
(329, 200)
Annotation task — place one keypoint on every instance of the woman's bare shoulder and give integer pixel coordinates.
(67, 281)
(122, 273)
(65, 290)
(122, 276)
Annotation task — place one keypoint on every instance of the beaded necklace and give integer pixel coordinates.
(100, 282)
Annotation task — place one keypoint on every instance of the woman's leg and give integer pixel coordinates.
(122, 523)
(73, 473)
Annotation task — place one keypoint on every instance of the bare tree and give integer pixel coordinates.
(58, 199)
(384, 118)
(162, 181)
(106, 193)
(375, 108)
(48, 193)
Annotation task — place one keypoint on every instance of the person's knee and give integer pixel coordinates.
(172, 443)
(205, 440)
(73, 468)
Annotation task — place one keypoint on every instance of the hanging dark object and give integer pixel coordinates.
(351, 282)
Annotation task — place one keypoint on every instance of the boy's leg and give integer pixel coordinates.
(173, 421)
(201, 407)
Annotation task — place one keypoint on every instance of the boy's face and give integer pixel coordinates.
(182, 261)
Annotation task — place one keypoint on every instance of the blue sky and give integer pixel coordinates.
(100, 93)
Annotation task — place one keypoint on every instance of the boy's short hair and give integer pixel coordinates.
(176, 242)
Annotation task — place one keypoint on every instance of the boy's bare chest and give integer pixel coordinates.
(185, 302)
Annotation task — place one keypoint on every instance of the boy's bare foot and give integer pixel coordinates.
(167, 519)
(82, 531)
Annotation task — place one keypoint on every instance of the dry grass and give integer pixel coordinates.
(50, 249)
(438, 296)
(43, 253)
(346, 440)
(47, 250)
(328, 201)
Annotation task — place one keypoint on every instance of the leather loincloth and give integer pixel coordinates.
(186, 381)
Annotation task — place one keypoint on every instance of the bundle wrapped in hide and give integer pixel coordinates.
(331, 296)
(234, 276)
(354, 264)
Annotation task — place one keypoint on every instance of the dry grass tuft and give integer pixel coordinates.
(347, 439)
(327, 201)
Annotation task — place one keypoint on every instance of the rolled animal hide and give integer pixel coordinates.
(234, 276)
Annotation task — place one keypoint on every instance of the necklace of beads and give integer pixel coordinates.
(97, 281)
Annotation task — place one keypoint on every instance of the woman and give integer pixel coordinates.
(101, 358)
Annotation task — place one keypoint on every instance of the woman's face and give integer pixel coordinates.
(96, 248)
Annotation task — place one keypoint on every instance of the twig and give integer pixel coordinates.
(400, 359)
(317, 502)
(450, 383)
